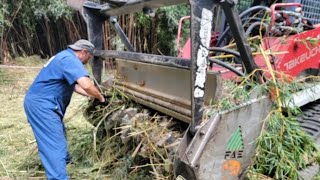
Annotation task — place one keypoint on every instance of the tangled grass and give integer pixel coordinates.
(130, 142)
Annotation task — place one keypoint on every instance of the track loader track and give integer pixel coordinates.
(310, 120)
(310, 123)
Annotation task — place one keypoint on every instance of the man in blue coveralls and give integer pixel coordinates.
(47, 99)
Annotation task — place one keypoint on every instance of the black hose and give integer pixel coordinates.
(255, 8)
(229, 51)
(255, 24)
(244, 13)
(227, 66)
(221, 38)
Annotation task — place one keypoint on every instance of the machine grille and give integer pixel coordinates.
(311, 9)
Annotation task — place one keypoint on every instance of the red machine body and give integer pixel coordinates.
(295, 53)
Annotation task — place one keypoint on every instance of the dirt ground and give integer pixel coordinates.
(18, 152)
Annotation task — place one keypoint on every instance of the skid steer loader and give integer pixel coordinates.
(222, 146)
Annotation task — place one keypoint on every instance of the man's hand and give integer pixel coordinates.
(102, 99)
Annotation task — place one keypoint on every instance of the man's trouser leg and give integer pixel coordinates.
(48, 129)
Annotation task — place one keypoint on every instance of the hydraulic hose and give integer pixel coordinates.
(253, 9)
(255, 24)
(244, 13)
(229, 51)
(227, 66)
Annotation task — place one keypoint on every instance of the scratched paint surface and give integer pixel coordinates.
(205, 35)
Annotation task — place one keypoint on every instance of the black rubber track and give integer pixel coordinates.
(310, 122)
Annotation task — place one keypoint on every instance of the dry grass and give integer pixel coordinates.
(17, 141)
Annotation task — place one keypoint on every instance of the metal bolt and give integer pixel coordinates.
(202, 133)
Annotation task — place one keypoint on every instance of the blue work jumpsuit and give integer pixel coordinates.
(45, 104)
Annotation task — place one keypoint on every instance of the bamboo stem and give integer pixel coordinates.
(273, 78)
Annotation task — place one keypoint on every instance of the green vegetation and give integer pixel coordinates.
(28, 12)
(27, 27)
(168, 27)
(283, 148)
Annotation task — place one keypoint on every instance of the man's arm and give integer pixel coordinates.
(79, 90)
(86, 87)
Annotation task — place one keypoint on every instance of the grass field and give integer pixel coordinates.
(18, 152)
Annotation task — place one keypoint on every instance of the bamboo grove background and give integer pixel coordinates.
(44, 27)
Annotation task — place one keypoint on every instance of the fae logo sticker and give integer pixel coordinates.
(235, 145)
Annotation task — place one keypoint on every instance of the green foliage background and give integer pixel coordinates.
(168, 27)
(28, 12)
(20, 21)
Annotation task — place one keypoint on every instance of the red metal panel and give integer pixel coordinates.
(301, 52)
